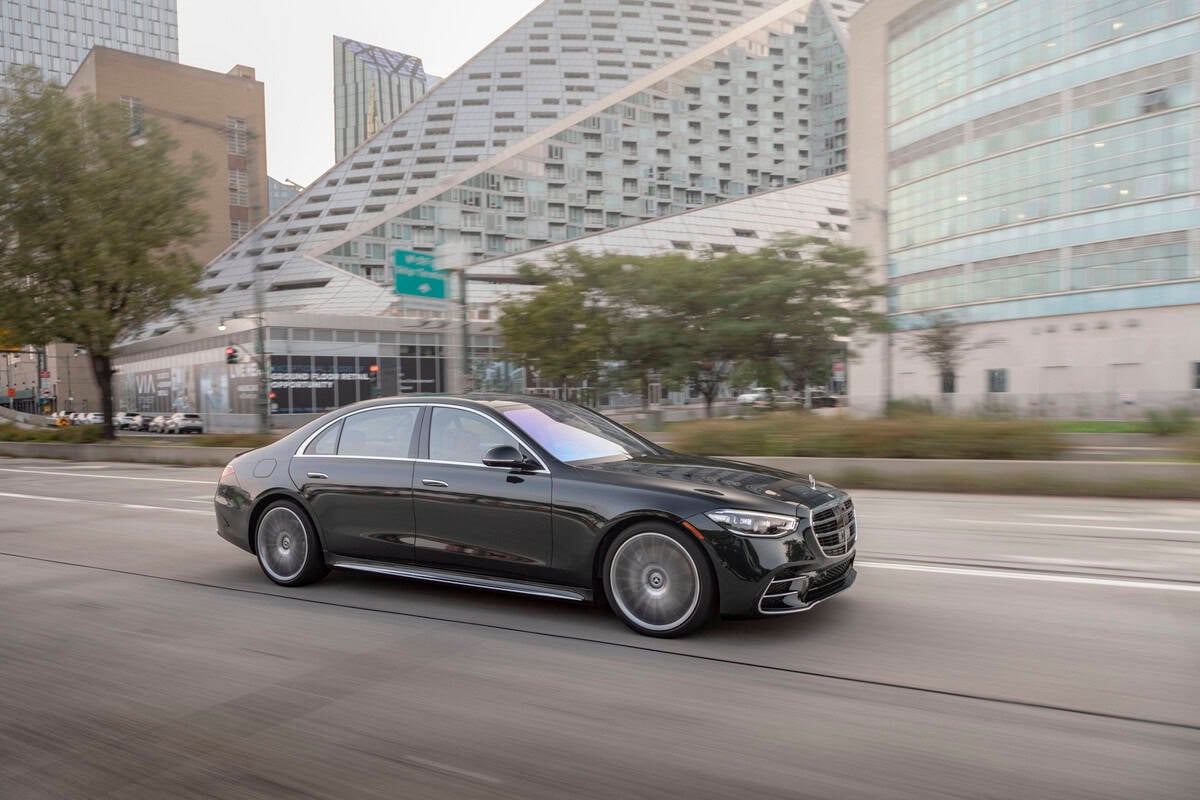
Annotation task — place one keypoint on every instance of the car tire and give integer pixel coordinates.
(658, 581)
(287, 546)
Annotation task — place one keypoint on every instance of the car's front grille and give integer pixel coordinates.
(835, 528)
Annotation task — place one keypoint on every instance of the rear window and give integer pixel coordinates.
(191, 416)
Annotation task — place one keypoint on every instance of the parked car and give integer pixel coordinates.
(140, 422)
(158, 424)
(758, 395)
(539, 497)
(124, 420)
(184, 423)
(91, 418)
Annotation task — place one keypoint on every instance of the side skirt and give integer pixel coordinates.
(461, 579)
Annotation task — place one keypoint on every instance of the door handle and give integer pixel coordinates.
(431, 482)
(318, 475)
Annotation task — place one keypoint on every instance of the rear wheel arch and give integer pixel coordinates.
(266, 499)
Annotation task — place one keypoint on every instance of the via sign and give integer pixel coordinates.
(416, 275)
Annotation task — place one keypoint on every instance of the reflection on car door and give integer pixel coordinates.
(473, 517)
(357, 478)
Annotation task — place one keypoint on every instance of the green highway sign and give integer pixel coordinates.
(416, 275)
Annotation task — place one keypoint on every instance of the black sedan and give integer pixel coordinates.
(535, 496)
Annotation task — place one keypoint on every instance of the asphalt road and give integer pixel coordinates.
(992, 647)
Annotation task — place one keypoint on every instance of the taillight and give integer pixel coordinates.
(229, 475)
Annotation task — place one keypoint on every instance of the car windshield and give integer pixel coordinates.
(573, 435)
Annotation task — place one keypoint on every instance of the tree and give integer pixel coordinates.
(93, 223)
(789, 305)
(555, 332)
(943, 343)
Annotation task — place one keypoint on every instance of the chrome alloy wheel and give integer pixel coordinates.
(654, 581)
(282, 543)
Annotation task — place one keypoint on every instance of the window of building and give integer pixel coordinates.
(997, 380)
(133, 107)
(948, 383)
(235, 136)
(239, 187)
(1196, 374)
(237, 229)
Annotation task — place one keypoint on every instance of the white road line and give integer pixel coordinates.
(976, 572)
(1193, 531)
(130, 506)
(38, 497)
(107, 477)
(1082, 517)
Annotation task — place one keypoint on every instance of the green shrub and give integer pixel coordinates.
(1171, 422)
(75, 434)
(912, 407)
(249, 441)
(793, 434)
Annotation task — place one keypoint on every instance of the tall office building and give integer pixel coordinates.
(220, 116)
(371, 86)
(280, 193)
(56, 35)
(1029, 169)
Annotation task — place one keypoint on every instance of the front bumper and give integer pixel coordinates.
(766, 576)
(796, 590)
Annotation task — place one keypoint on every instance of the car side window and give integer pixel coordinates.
(326, 443)
(379, 433)
(463, 436)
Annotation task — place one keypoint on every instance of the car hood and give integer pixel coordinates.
(719, 477)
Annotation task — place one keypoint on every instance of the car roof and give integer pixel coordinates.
(492, 400)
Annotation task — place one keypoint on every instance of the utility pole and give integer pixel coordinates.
(262, 399)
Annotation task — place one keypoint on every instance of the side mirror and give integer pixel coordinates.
(504, 456)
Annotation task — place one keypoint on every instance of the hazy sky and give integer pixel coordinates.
(290, 45)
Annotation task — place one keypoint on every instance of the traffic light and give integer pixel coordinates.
(376, 389)
(231, 355)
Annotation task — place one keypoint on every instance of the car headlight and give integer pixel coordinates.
(753, 523)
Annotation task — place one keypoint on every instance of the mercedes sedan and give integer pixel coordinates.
(522, 494)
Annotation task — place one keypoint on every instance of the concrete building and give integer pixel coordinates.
(580, 119)
(1030, 169)
(220, 116)
(371, 86)
(56, 35)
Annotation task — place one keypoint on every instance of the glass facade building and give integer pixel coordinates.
(56, 35)
(1034, 160)
(1052, 163)
(371, 87)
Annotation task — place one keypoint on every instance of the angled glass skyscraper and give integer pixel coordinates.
(55, 36)
(583, 116)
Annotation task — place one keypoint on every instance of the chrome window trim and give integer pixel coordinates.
(304, 445)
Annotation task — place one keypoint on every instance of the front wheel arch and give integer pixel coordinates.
(623, 524)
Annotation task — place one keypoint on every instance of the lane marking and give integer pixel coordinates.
(109, 503)
(1082, 517)
(107, 477)
(1048, 577)
(38, 497)
(1192, 531)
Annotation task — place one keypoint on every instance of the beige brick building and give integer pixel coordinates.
(218, 115)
